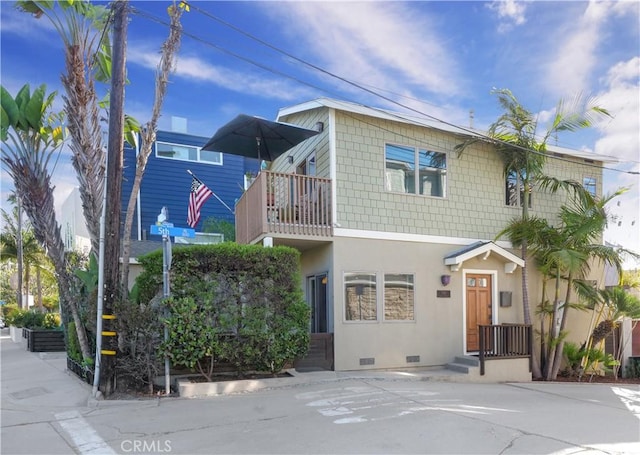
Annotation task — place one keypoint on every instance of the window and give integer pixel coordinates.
(187, 153)
(398, 297)
(361, 301)
(515, 193)
(589, 184)
(401, 176)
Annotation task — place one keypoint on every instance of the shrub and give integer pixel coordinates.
(51, 321)
(15, 317)
(8, 309)
(192, 340)
(139, 330)
(73, 345)
(29, 319)
(236, 303)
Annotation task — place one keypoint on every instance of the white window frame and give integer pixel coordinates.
(384, 295)
(198, 153)
(416, 175)
(344, 293)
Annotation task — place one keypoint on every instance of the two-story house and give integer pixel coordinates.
(396, 232)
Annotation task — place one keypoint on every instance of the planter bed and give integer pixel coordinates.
(44, 340)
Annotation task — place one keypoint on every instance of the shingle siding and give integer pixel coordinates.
(474, 206)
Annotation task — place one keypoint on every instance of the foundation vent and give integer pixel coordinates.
(413, 358)
(368, 361)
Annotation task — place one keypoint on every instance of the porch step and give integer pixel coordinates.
(463, 364)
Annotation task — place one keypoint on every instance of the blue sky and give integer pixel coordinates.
(441, 58)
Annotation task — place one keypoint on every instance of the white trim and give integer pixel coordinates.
(494, 301)
(333, 171)
(404, 237)
(484, 250)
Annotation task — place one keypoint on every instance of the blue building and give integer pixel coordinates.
(166, 182)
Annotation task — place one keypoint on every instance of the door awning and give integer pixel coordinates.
(455, 259)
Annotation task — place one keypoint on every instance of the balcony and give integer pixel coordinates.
(285, 206)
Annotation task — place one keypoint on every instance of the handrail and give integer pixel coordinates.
(281, 203)
(505, 341)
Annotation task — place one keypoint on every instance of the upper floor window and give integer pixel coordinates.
(589, 184)
(515, 191)
(187, 153)
(401, 163)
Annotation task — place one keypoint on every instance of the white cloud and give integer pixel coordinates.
(510, 13)
(621, 97)
(620, 138)
(382, 44)
(195, 68)
(577, 43)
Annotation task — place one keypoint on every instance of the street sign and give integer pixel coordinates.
(165, 229)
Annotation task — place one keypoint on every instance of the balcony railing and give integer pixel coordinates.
(287, 204)
(506, 341)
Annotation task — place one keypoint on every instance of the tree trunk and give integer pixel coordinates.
(39, 289)
(88, 159)
(557, 361)
(535, 362)
(165, 66)
(553, 329)
(20, 254)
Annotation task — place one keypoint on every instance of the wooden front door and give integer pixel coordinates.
(479, 306)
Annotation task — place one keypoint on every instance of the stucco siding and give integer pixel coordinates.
(437, 332)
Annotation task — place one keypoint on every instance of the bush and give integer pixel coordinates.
(236, 303)
(33, 319)
(73, 345)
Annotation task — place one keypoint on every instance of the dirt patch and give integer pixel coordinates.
(234, 377)
(597, 379)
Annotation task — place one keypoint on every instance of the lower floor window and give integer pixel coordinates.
(361, 296)
(398, 297)
(361, 301)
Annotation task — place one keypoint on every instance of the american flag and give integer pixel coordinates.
(198, 196)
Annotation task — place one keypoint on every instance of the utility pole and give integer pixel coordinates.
(111, 259)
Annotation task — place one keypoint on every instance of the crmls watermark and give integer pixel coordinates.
(143, 446)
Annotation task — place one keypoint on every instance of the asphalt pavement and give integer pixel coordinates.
(47, 410)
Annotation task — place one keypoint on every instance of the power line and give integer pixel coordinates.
(465, 130)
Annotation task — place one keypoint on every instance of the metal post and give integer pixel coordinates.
(165, 294)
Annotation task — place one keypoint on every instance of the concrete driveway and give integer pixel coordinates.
(45, 410)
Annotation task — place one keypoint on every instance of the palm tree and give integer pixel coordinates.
(524, 153)
(31, 135)
(582, 225)
(80, 25)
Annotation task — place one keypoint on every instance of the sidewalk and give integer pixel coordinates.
(34, 388)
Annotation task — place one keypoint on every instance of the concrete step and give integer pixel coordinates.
(467, 360)
(459, 367)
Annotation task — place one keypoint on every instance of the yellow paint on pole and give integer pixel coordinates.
(108, 333)
(107, 352)
(108, 316)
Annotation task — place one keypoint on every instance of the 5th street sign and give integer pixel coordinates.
(172, 231)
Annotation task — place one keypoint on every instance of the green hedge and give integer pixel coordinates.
(231, 303)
